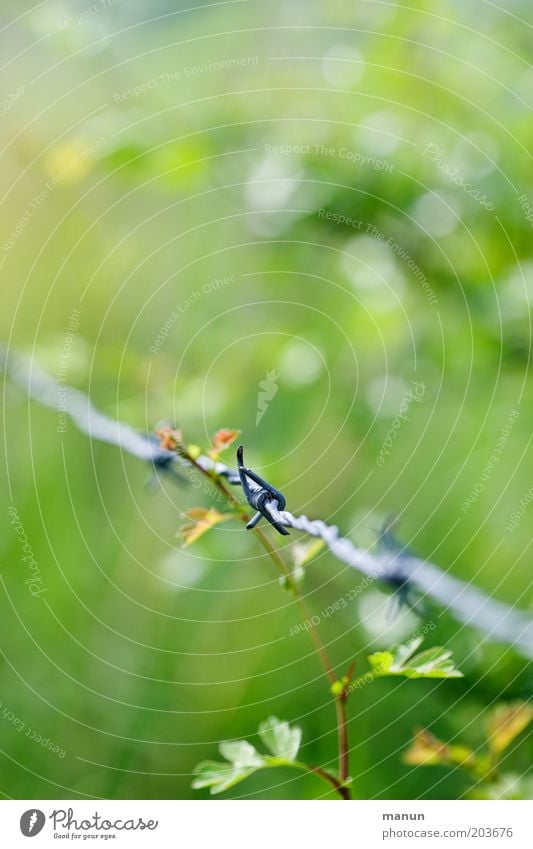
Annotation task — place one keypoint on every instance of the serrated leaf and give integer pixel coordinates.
(280, 738)
(243, 759)
(505, 723)
(435, 662)
(202, 520)
(241, 753)
(219, 776)
(404, 652)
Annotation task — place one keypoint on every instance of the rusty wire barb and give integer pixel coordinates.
(395, 565)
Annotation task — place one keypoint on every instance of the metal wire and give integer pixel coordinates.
(470, 605)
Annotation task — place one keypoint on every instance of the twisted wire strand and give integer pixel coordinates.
(42, 387)
(499, 621)
(470, 605)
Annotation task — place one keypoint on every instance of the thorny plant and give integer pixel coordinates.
(392, 563)
(413, 580)
(282, 741)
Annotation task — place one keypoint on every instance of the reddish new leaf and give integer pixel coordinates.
(169, 437)
(223, 438)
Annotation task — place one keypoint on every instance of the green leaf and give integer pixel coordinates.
(219, 776)
(241, 754)
(505, 723)
(402, 660)
(380, 662)
(243, 759)
(280, 739)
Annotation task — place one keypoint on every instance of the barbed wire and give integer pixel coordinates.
(395, 566)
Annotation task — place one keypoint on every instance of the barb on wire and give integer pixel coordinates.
(392, 564)
(260, 497)
(470, 605)
(405, 594)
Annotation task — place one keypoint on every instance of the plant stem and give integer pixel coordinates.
(343, 791)
(342, 727)
(341, 698)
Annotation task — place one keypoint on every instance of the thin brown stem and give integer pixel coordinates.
(341, 698)
(326, 775)
(342, 725)
(341, 789)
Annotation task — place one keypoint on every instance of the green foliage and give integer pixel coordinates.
(183, 210)
(401, 660)
(243, 759)
(280, 739)
(283, 741)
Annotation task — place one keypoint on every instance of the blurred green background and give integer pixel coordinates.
(173, 182)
